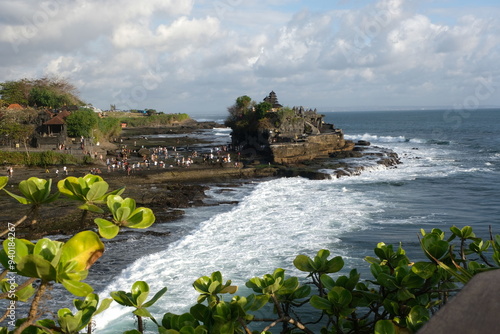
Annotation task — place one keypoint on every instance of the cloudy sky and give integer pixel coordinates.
(197, 56)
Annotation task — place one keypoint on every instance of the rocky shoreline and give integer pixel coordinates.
(169, 191)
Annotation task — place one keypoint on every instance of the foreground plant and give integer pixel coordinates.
(36, 192)
(400, 296)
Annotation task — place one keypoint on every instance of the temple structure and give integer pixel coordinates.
(273, 100)
(290, 135)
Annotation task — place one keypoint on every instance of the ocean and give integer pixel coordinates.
(449, 175)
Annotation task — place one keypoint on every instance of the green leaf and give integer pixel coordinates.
(334, 265)
(371, 259)
(258, 302)
(3, 181)
(201, 284)
(467, 232)
(20, 295)
(418, 316)
(140, 292)
(231, 289)
(97, 191)
(36, 266)
(385, 327)
(21, 248)
(47, 248)
(84, 248)
(69, 323)
(20, 199)
(141, 218)
(327, 281)
(71, 188)
(455, 230)
(107, 229)
(412, 281)
(122, 298)
(403, 294)
(302, 292)
(105, 303)
(320, 303)
(142, 312)
(91, 207)
(77, 288)
(424, 269)
(200, 312)
(340, 296)
(434, 246)
(91, 300)
(303, 263)
(122, 214)
(128, 203)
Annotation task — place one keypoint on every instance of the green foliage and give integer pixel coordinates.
(241, 109)
(244, 102)
(36, 192)
(211, 286)
(125, 214)
(81, 123)
(180, 324)
(108, 127)
(39, 159)
(89, 190)
(3, 181)
(15, 92)
(47, 97)
(262, 108)
(44, 92)
(20, 294)
(399, 296)
(66, 263)
(137, 299)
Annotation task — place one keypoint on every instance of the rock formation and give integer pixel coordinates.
(289, 135)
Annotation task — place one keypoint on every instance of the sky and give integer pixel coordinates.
(198, 56)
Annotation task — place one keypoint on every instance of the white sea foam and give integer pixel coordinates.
(375, 138)
(276, 222)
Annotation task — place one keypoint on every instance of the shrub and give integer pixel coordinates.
(400, 296)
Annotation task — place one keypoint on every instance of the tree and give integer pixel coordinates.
(17, 126)
(262, 108)
(242, 106)
(50, 92)
(81, 123)
(150, 112)
(15, 91)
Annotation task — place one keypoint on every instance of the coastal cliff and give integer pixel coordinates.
(310, 148)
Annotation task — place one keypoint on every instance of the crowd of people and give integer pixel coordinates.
(162, 157)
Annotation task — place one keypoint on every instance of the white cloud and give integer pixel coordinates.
(163, 53)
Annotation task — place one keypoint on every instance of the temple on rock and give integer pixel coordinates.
(273, 100)
(290, 135)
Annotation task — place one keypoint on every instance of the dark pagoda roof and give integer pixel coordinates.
(273, 100)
